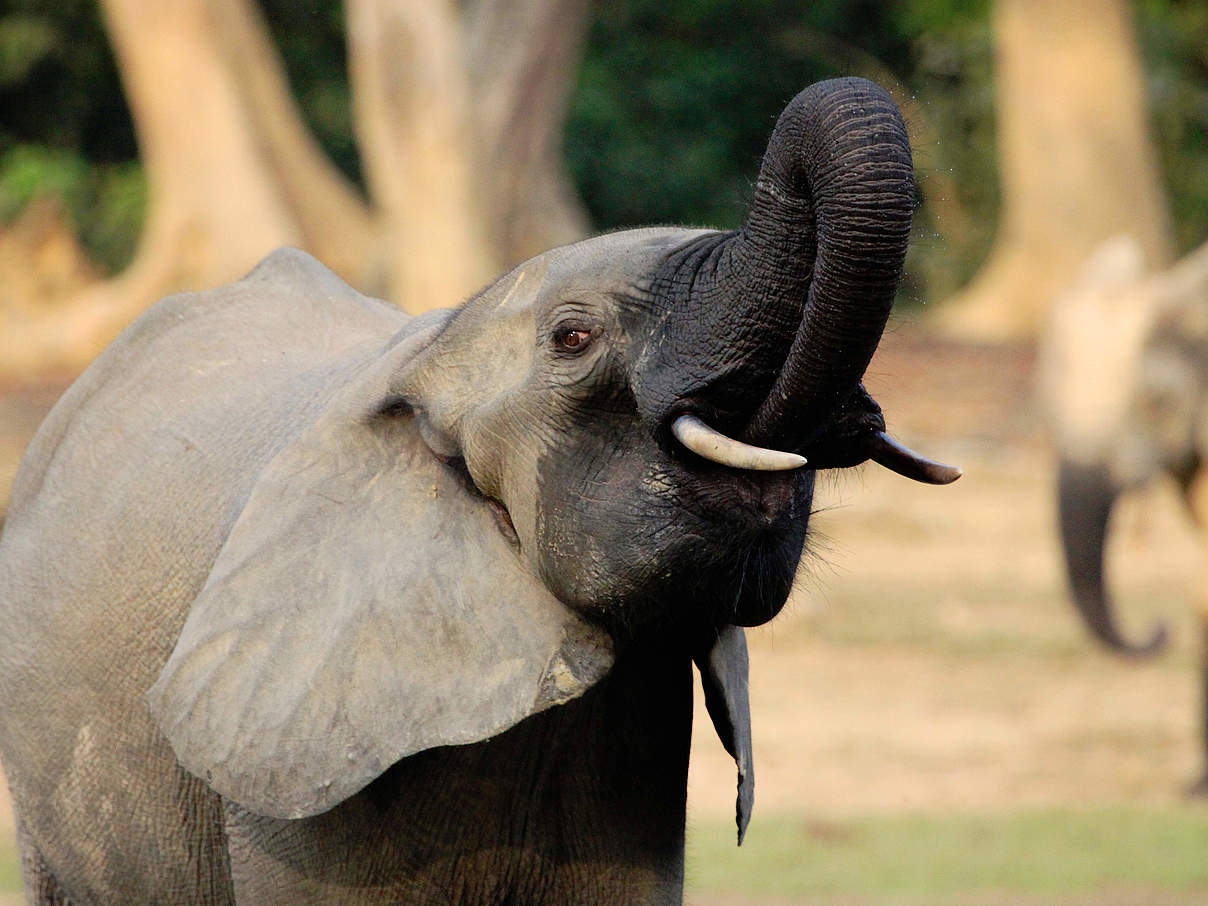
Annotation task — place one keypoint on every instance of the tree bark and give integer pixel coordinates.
(336, 223)
(1075, 159)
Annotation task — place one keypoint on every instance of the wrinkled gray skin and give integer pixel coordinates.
(306, 601)
(1124, 376)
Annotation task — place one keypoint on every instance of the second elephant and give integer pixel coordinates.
(1124, 376)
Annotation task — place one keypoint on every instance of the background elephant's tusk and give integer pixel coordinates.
(714, 446)
(901, 459)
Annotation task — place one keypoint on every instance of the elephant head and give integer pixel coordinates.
(1124, 379)
(655, 392)
(615, 441)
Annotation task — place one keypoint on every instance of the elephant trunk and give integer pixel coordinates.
(1086, 495)
(769, 329)
(842, 149)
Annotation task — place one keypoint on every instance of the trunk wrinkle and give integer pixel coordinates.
(768, 331)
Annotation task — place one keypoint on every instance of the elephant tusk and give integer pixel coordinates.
(714, 446)
(901, 459)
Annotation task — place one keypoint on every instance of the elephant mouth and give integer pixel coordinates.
(503, 519)
(745, 502)
(499, 511)
(728, 481)
(768, 496)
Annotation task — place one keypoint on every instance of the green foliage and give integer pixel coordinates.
(1174, 38)
(25, 41)
(105, 200)
(951, 78)
(65, 130)
(1055, 854)
(59, 85)
(30, 171)
(676, 100)
(10, 869)
(310, 35)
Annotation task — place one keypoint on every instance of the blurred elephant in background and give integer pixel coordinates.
(1124, 377)
(303, 600)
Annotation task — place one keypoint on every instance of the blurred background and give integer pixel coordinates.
(933, 723)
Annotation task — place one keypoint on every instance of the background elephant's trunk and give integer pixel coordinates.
(1086, 495)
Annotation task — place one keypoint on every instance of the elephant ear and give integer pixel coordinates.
(724, 671)
(364, 607)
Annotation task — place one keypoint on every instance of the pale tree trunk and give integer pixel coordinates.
(411, 106)
(335, 222)
(459, 113)
(522, 56)
(231, 174)
(1075, 161)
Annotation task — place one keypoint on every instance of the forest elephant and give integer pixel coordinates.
(303, 600)
(1124, 377)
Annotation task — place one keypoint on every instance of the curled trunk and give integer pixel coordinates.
(1086, 495)
(862, 185)
(771, 327)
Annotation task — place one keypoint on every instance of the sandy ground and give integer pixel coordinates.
(928, 660)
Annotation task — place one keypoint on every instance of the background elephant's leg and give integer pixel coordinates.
(1197, 498)
(41, 888)
(1199, 788)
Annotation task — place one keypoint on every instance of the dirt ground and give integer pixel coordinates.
(928, 660)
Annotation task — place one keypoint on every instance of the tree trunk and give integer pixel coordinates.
(522, 56)
(336, 223)
(411, 105)
(459, 117)
(231, 175)
(1075, 160)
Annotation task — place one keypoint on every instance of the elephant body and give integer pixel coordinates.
(158, 834)
(126, 438)
(303, 600)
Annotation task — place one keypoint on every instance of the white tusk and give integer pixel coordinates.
(716, 447)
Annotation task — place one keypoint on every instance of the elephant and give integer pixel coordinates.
(306, 600)
(1124, 379)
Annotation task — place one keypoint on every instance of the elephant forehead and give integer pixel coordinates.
(623, 256)
(599, 266)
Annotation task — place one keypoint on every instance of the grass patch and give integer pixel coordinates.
(933, 859)
(944, 857)
(10, 869)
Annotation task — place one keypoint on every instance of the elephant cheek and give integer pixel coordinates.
(614, 540)
(593, 549)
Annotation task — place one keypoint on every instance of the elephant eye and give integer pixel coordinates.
(572, 339)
